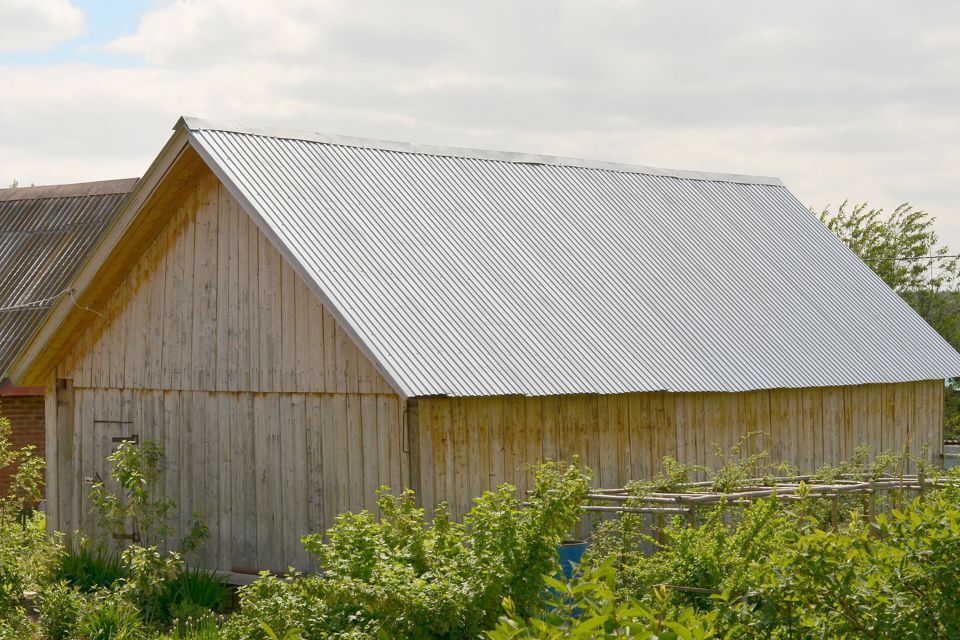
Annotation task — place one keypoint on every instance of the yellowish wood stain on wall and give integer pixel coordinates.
(272, 420)
(464, 446)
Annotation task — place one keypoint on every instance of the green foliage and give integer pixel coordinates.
(671, 478)
(726, 551)
(735, 470)
(280, 604)
(156, 586)
(291, 634)
(205, 627)
(951, 405)
(588, 608)
(401, 576)
(26, 552)
(109, 616)
(26, 486)
(60, 607)
(138, 472)
(153, 583)
(859, 467)
(147, 583)
(89, 568)
(896, 578)
(895, 244)
(197, 590)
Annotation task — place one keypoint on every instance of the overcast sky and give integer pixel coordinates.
(856, 100)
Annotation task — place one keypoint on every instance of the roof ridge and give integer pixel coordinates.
(70, 190)
(192, 124)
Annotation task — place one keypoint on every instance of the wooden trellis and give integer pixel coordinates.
(693, 495)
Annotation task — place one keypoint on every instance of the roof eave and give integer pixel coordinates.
(28, 368)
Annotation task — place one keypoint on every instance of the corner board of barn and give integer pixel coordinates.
(273, 421)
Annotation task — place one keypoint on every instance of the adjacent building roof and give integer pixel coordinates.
(45, 235)
(467, 272)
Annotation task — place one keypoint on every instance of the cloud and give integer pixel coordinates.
(854, 99)
(32, 25)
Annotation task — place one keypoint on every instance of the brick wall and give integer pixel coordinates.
(26, 415)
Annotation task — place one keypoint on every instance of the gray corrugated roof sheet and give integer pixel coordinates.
(45, 235)
(481, 273)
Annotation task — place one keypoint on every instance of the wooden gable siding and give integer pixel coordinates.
(463, 446)
(272, 420)
(213, 306)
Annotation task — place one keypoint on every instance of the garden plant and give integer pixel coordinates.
(773, 568)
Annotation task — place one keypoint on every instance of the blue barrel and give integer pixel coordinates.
(571, 553)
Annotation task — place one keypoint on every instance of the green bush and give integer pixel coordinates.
(194, 593)
(727, 551)
(138, 512)
(895, 578)
(109, 616)
(89, 568)
(206, 627)
(60, 607)
(155, 585)
(26, 552)
(400, 576)
(588, 608)
(147, 583)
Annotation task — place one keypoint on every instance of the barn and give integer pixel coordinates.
(299, 319)
(45, 234)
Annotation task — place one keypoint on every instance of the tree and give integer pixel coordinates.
(903, 248)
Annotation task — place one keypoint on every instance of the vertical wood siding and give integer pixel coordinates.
(212, 306)
(463, 446)
(272, 420)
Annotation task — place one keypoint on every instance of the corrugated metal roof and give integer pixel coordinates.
(45, 235)
(482, 273)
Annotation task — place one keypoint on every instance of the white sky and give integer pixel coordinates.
(856, 100)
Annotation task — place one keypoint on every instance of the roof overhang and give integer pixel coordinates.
(176, 166)
(91, 285)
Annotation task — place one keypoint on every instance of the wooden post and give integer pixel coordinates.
(60, 498)
(412, 423)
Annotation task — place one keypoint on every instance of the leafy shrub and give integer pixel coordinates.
(60, 607)
(89, 568)
(154, 585)
(138, 513)
(895, 578)
(588, 608)
(147, 583)
(26, 486)
(26, 552)
(402, 577)
(109, 616)
(282, 605)
(727, 551)
(195, 592)
(672, 478)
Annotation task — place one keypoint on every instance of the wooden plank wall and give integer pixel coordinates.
(272, 420)
(263, 468)
(213, 306)
(463, 446)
